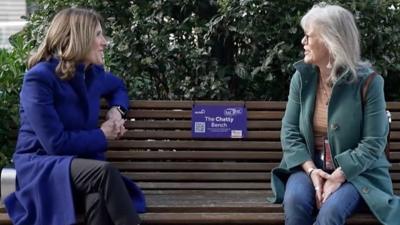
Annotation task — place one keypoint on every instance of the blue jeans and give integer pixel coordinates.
(300, 206)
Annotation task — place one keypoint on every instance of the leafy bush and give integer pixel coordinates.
(12, 67)
(241, 49)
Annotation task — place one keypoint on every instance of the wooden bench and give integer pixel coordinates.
(190, 181)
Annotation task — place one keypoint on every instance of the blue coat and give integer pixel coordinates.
(59, 121)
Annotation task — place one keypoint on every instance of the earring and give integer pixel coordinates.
(329, 65)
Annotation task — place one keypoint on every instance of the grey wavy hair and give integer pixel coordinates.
(338, 30)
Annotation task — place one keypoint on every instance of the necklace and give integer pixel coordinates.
(324, 91)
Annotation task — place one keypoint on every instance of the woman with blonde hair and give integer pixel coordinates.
(59, 155)
(333, 145)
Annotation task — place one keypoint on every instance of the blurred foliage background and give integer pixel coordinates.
(205, 49)
(12, 68)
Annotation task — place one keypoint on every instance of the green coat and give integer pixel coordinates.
(357, 138)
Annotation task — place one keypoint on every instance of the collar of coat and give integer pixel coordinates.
(80, 68)
(309, 73)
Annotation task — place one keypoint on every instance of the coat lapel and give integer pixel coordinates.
(78, 84)
(309, 84)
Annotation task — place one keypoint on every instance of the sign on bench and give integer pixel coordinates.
(217, 121)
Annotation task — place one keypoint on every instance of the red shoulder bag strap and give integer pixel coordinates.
(364, 91)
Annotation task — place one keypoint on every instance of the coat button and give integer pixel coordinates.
(334, 126)
(365, 190)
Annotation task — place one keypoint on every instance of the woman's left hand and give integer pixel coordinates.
(333, 182)
(330, 187)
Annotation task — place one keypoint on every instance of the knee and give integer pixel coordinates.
(106, 169)
(93, 199)
(298, 207)
(330, 215)
(295, 199)
(299, 192)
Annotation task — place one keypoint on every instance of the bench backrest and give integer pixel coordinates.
(160, 154)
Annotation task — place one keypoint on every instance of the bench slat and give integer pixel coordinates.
(251, 135)
(187, 135)
(187, 124)
(393, 106)
(395, 125)
(236, 218)
(185, 114)
(266, 105)
(210, 176)
(394, 135)
(170, 104)
(223, 218)
(154, 134)
(199, 144)
(206, 166)
(395, 116)
(212, 201)
(205, 185)
(190, 155)
(217, 185)
(232, 144)
(198, 176)
(209, 155)
(194, 166)
(158, 216)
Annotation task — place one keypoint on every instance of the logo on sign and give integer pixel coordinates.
(232, 111)
(201, 112)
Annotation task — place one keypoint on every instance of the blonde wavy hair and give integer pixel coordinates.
(338, 30)
(69, 38)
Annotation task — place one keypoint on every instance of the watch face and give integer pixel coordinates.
(122, 111)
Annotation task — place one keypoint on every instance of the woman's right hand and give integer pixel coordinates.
(318, 178)
(113, 129)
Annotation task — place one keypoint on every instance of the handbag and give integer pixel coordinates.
(328, 165)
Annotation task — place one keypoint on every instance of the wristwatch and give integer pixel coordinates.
(121, 110)
(309, 171)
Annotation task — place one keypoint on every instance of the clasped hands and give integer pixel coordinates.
(325, 184)
(113, 128)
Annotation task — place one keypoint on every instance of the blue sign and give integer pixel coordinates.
(216, 121)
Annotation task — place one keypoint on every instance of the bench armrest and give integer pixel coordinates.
(8, 182)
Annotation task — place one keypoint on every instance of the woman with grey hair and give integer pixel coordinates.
(333, 144)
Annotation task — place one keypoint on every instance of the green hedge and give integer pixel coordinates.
(223, 49)
(12, 67)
